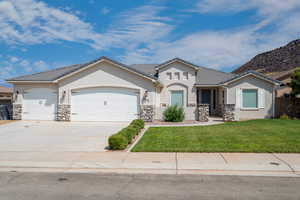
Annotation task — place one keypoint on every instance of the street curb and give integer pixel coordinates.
(155, 171)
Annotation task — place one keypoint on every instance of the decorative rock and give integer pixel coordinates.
(63, 112)
(203, 111)
(147, 113)
(17, 111)
(229, 112)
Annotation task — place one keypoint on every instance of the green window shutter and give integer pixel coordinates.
(177, 98)
(250, 98)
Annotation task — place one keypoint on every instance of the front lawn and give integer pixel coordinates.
(266, 135)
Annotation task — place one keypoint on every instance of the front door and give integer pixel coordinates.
(206, 98)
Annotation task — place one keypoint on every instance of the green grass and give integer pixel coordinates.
(267, 135)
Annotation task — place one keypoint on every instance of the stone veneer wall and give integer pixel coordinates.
(63, 112)
(203, 110)
(229, 112)
(17, 111)
(219, 110)
(147, 113)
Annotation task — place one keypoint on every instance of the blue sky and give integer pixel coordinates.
(220, 34)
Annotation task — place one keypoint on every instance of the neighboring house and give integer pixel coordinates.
(5, 95)
(106, 90)
(285, 78)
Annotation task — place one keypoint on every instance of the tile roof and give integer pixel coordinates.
(206, 76)
(254, 73)
(55, 74)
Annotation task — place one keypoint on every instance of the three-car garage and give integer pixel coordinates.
(87, 104)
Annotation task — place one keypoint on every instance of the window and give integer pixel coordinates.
(177, 75)
(177, 98)
(186, 75)
(169, 75)
(250, 98)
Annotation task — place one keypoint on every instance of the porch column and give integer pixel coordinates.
(203, 112)
(229, 112)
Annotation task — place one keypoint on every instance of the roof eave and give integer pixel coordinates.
(275, 82)
(107, 60)
(28, 81)
(208, 85)
(176, 60)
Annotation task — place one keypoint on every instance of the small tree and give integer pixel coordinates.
(295, 82)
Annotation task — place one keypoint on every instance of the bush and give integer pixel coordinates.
(284, 116)
(138, 123)
(130, 132)
(120, 140)
(117, 142)
(174, 114)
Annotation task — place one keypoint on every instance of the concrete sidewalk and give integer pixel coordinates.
(262, 164)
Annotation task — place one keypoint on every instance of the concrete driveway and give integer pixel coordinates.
(51, 136)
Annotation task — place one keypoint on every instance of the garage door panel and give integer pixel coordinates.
(39, 104)
(104, 104)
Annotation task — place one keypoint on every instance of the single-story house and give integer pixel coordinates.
(106, 90)
(5, 95)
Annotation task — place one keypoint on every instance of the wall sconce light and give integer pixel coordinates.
(15, 97)
(145, 96)
(64, 93)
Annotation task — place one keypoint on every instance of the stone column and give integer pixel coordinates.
(147, 113)
(17, 111)
(203, 112)
(229, 112)
(219, 110)
(63, 112)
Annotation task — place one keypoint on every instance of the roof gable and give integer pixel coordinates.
(167, 63)
(253, 73)
(115, 63)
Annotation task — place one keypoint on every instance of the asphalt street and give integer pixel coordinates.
(67, 186)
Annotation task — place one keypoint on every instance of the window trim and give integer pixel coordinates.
(177, 76)
(169, 75)
(242, 102)
(185, 75)
(170, 97)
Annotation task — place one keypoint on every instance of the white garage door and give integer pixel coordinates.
(104, 104)
(39, 104)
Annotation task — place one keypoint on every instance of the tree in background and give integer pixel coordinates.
(295, 82)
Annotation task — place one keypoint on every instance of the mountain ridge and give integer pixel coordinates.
(278, 60)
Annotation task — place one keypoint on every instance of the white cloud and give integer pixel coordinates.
(12, 66)
(13, 59)
(263, 7)
(34, 22)
(143, 35)
(40, 65)
(277, 24)
(136, 27)
(105, 11)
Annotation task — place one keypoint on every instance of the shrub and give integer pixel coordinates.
(174, 114)
(138, 123)
(120, 140)
(130, 132)
(117, 142)
(284, 116)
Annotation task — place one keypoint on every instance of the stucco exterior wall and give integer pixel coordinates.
(105, 74)
(186, 85)
(251, 82)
